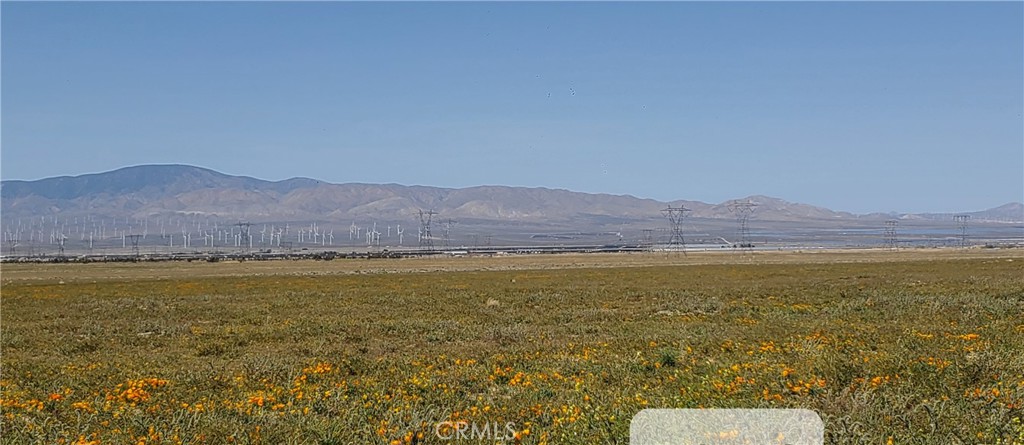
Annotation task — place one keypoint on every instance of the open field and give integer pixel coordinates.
(918, 346)
(56, 272)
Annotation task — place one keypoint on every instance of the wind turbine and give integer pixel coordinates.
(375, 235)
(60, 242)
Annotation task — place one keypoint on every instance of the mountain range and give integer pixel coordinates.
(155, 191)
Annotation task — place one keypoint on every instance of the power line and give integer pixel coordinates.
(675, 216)
(961, 224)
(426, 238)
(134, 239)
(647, 239)
(743, 210)
(890, 234)
(244, 236)
(446, 239)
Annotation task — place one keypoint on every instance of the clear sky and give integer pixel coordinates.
(865, 107)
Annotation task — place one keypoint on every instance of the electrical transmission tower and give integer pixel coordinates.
(244, 237)
(446, 239)
(426, 238)
(675, 216)
(961, 224)
(648, 238)
(890, 234)
(134, 239)
(743, 210)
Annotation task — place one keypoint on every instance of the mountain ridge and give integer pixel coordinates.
(146, 191)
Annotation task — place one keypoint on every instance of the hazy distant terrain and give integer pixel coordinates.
(160, 191)
(175, 207)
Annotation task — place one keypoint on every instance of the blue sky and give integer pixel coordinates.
(857, 107)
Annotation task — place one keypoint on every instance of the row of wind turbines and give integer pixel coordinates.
(372, 236)
(95, 232)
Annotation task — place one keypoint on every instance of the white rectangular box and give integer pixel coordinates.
(726, 427)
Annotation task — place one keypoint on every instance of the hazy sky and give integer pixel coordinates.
(858, 107)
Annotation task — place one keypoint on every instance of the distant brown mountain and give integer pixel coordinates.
(1007, 213)
(153, 191)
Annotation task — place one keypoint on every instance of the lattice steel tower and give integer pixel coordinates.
(743, 210)
(961, 224)
(426, 238)
(446, 236)
(134, 239)
(244, 237)
(675, 216)
(647, 239)
(890, 234)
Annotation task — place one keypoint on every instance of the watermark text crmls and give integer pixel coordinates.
(463, 430)
(727, 427)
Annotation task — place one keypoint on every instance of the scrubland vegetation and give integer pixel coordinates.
(907, 351)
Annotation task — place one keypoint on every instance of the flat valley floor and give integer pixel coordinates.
(916, 346)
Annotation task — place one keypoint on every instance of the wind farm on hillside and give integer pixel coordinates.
(60, 219)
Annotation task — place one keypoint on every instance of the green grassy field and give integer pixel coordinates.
(900, 349)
